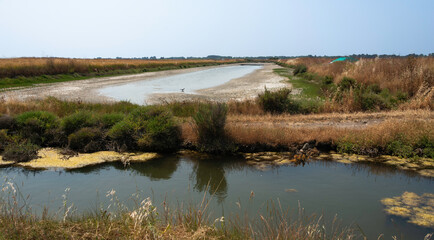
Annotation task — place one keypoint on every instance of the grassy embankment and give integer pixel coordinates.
(22, 72)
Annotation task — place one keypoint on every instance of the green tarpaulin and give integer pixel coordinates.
(342, 59)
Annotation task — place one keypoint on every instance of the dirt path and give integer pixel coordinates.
(87, 90)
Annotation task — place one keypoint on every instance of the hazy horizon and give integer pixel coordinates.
(163, 28)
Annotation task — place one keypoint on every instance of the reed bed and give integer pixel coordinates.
(396, 74)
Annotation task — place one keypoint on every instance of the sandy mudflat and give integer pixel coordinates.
(247, 86)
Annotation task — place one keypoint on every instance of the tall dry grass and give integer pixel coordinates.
(30, 67)
(397, 74)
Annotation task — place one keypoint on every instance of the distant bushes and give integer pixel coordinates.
(281, 101)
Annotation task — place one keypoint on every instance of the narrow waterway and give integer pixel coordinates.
(352, 192)
(138, 92)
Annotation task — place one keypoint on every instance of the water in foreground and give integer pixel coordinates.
(353, 192)
(138, 92)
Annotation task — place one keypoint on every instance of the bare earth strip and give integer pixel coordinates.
(87, 90)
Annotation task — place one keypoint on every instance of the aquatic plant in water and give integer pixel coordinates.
(419, 209)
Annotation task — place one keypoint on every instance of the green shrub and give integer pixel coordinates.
(327, 80)
(347, 83)
(210, 126)
(20, 152)
(275, 102)
(372, 101)
(374, 88)
(299, 69)
(77, 120)
(108, 120)
(426, 145)
(399, 148)
(155, 129)
(35, 126)
(347, 147)
(122, 133)
(86, 140)
(147, 129)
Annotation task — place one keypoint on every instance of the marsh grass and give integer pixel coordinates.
(115, 220)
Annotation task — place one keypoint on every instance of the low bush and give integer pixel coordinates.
(299, 69)
(20, 152)
(155, 129)
(347, 83)
(210, 123)
(275, 102)
(147, 129)
(78, 120)
(108, 120)
(35, 126)
(86, 140)
(122, 134)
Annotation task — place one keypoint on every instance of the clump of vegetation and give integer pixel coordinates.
(108, 120)
(275, 102)
(299, 69)
(210, 123)
(20, 152)
(5, 139)
(147, 129)
(78, 120)
(36, 125)
(87, 140)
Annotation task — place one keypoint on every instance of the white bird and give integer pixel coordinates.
(182, 89)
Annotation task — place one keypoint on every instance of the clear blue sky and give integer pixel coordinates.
(136, 28)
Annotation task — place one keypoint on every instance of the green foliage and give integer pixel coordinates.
(299, 69)
(122, 133)
(372, 101)
(35, 126)
(399, 148)
(425, 145)
(275, 102)
(77, 120)
(86, 140)
(20, 152)
(210, 125)
(347, 83)
(155, 129)
(347, 147)
(108, 120)
(147, 129)
(327, 80)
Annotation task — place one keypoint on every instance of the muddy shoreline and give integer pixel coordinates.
(87, 90)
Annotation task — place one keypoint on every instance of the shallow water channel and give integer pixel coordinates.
(353, 192)
(138, 92)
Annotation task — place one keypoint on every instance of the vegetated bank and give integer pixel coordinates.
(22, 72)
(124, 127)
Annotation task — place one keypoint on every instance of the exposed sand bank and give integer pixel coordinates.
(87, 90)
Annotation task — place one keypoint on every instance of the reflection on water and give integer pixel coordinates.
(353, 191)
(157, 169)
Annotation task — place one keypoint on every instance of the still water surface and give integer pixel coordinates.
(353, 192)
(138, 92)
